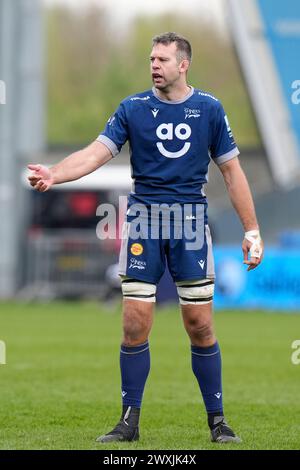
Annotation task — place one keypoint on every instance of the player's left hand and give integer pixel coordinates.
(254, 246)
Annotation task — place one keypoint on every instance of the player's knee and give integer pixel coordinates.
(138, 290)
(136, 327)
(195, 292)
(134, 336)
(200, 331)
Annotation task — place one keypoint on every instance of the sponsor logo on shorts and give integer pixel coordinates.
(135, 264)
(136, 249)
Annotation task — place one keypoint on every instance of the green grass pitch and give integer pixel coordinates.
(60, 387)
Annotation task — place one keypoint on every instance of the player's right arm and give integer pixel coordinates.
(73, 167)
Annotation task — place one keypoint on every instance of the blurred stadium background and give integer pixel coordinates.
(64, 67)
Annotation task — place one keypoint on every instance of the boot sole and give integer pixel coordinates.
(117, 438)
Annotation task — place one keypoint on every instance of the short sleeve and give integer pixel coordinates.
(115, 133)
(223, 147)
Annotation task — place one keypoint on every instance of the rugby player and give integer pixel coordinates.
(174, 131)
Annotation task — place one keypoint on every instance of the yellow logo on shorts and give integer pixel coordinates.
(136, 249)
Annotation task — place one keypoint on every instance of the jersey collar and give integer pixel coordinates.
(187, 97)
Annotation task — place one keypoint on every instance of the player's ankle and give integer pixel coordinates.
(214, 419)
(131, 415)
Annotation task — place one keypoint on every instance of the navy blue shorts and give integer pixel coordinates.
(181, 238)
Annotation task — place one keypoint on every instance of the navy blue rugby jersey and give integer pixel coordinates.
(171, 143)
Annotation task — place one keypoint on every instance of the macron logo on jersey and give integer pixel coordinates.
(166, 131)
(154, 112)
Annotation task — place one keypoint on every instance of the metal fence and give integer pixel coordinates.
(67, 263)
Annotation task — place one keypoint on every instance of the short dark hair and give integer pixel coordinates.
(184, 47)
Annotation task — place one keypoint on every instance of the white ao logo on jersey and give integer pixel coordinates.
(166, 131)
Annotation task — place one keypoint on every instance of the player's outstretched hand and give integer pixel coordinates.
(256, 251)
(40, 178)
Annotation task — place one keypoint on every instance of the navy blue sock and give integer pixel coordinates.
(135, 367)
(206, 364)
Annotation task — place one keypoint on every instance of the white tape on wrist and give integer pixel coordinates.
(253, 236)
